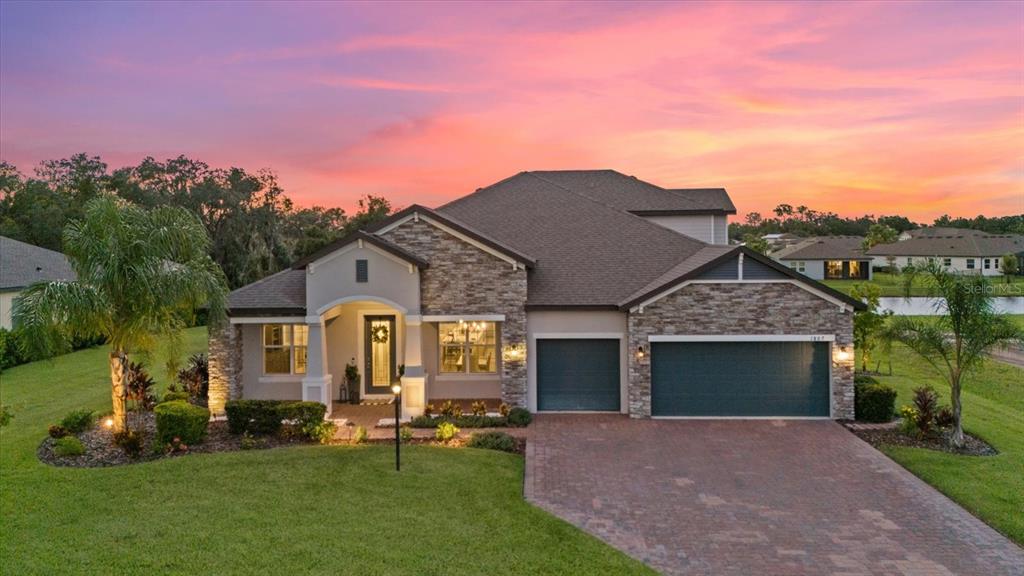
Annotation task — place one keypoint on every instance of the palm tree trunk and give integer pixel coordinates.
(117, 389)
(958, 430)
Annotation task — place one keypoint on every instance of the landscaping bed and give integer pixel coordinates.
(893, 436)
(100, 449)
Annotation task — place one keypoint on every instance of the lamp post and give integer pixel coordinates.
(397, 391)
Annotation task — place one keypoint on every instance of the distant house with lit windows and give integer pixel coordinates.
(827, 258)
(956, 249)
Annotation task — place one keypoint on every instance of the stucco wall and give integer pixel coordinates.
(6, 302)
(568, 324)
(334, 277)
(464, 279)
(741, 308)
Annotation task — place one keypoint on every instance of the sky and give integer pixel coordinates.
(878, 108)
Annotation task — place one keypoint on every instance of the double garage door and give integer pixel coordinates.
(712, 379)
(740, 378)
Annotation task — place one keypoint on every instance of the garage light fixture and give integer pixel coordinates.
(641, 351)
(843, 354)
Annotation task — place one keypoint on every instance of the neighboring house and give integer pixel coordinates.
(828, 258)
(957, 249)
(781, 240)
(23, 264)
(556, 291)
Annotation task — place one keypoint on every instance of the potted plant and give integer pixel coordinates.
(352, 381)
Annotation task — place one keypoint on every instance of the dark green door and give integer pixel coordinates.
(578, 374)
(740, 379)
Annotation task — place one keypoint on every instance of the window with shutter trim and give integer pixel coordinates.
(362, 270)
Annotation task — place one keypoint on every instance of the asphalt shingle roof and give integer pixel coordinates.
(23, 264)
(963, 243)
(589, 253)
(634, 195)
(824, 248)
(284, 293)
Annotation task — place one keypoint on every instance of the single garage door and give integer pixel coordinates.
(578, 374)
(740, 378)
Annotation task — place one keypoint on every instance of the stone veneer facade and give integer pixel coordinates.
(225, 366)
(463, 279)
(740, 308)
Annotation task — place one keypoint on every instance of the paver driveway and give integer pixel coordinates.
(753, 497)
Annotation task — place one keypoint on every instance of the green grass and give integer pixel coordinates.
(302, 510)
(892, 285)
(991, 487)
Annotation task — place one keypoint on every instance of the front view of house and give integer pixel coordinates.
(556, 291)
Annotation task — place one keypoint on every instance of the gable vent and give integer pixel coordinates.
(362, 271)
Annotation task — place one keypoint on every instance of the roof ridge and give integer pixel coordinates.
(646, 222)
(478, 190)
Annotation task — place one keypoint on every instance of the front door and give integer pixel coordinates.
(379, 347)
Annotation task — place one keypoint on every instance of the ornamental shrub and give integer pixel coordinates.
(461, 421)
(479, 408)
(175, 395)
(519, 417)
(253, 416)
(405, 433)
(303, 413)
(908, 414)
(926, 402)
(130, 441)
(360, 435)
(874, 402)
(322, 431)
(69, 446)
(181, 420)
(445, 432)
(57, 431)
(492, 441)
(78, 421)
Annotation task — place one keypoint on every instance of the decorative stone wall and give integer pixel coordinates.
(225, 366)
(740, 308)
(463, 279)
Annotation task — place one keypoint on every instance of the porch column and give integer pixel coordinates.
(316, 385)
(414, 381)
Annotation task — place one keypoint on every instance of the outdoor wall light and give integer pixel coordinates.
(843, 355)
(641, 351)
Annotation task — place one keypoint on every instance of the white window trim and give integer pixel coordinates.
(465, 350)
(291, 374)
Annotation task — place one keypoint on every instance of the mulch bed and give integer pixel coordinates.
(101, 451)
(973, 445)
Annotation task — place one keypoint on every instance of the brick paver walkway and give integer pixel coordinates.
(753, 497)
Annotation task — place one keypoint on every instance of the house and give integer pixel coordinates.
(555, 291)
(956, 249)
(827, 258)
(23, 264)
(780, 240)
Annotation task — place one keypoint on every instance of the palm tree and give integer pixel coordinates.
(967, 328)
(141, 276)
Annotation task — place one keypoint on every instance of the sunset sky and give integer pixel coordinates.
(856, 108)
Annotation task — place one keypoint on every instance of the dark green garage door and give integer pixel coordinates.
(740, 379)
(578, 374)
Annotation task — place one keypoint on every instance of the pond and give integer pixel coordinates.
(925, 306)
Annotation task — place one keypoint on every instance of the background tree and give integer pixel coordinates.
(965, 330)
(1010, 266)
(879, 234)
(756, 243)
(141, 275)
(868, 324)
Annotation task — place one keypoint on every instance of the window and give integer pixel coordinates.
(947, 262)
(970, 263)
(854, 269)
(995, 263)
(987, 264)
(284, 348)
(799, 266)
(362, 271)
(834, 269)
(910, 261)
(468, 347)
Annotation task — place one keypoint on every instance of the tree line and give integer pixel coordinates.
(255, 229)
(804, 221)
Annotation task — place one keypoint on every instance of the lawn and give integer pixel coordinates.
(892, 285)
(991, 487)
(302, 510)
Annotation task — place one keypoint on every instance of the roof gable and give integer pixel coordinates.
(362, 236)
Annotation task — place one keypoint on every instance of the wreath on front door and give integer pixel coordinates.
(379, 334)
